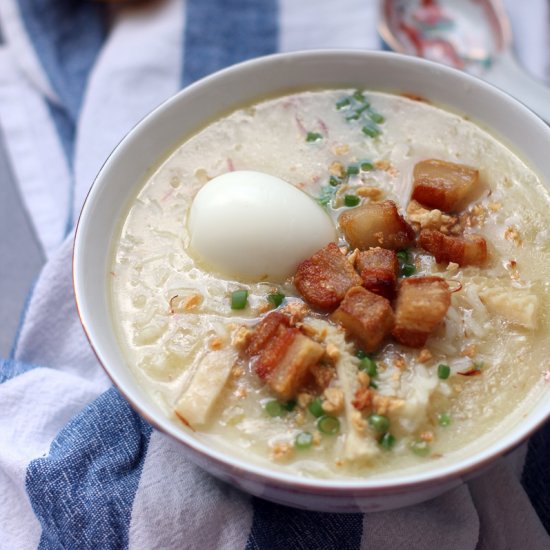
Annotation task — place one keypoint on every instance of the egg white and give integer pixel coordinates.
(256, 227)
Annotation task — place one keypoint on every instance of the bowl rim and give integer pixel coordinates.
(196, 449)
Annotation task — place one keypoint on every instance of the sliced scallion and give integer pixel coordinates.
(420, 448)
(359, 96)
(354, 116)
(239, 299)
(274, 408)
(343, 103)
(289, 405)
(371, 130)
(351, 200)
(379, 422)
(276, 298)
(408, 269)
(403, 256)
(443, 371)
(328, 425)
(313, 136)
(315, 407)
(387, 441)
(303, 440)
(444, 419)
(369, 366)
(376, 117)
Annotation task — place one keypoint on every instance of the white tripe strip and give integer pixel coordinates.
(417, 386)
(358, 446)
(209, 380)
(518, 306)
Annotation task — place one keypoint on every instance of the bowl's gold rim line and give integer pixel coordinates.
(341, 486)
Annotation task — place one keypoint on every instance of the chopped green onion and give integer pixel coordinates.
(376, 117)
(369, 366)
(444, 419)
(387, 441)
(443, 371)
(344, 102)
(373, 384)
(420, 448)
(379, 422)
(289, 405)
(327, 193)
(313, 136)
(371, 130)
(351, 200)
(403, 256)
(354, 116)
(276, 298)
(239, 299)
(334, 181)
(353, 169)
(408, 269)
(315, 407)
(362, 109)
(367, 166)
(328, 425)
(303, 440)
(360, 354)
(359, 96)
(274, 408)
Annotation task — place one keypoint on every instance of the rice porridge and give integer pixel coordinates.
(338, 283)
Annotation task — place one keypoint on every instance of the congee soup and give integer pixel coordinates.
(338, 283)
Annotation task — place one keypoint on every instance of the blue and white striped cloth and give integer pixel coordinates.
(78, 467)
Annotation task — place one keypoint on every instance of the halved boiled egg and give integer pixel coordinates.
(256, 227)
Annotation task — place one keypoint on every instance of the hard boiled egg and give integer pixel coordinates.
(253, 226)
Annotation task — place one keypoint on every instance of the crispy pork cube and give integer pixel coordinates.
(378, 268)
(421, 304)
(365, 316)
(290, 373)
(270, 342)
(324, 279)
(442, 185)
(265, 331)
(376, 224)
(465, 250)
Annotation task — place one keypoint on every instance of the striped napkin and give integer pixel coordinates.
(78, 467)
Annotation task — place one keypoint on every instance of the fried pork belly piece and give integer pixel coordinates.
(321, 376)
(282, 355)
(265, 331)
(376, 224)
(421, 304)
(366, 316)
(443, 185)
(465, 250)
(378, 268)
(324, 279)
(289, 375)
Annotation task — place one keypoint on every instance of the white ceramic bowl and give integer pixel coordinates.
(210, 98)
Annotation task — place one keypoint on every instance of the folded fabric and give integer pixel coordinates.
(78, 467)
